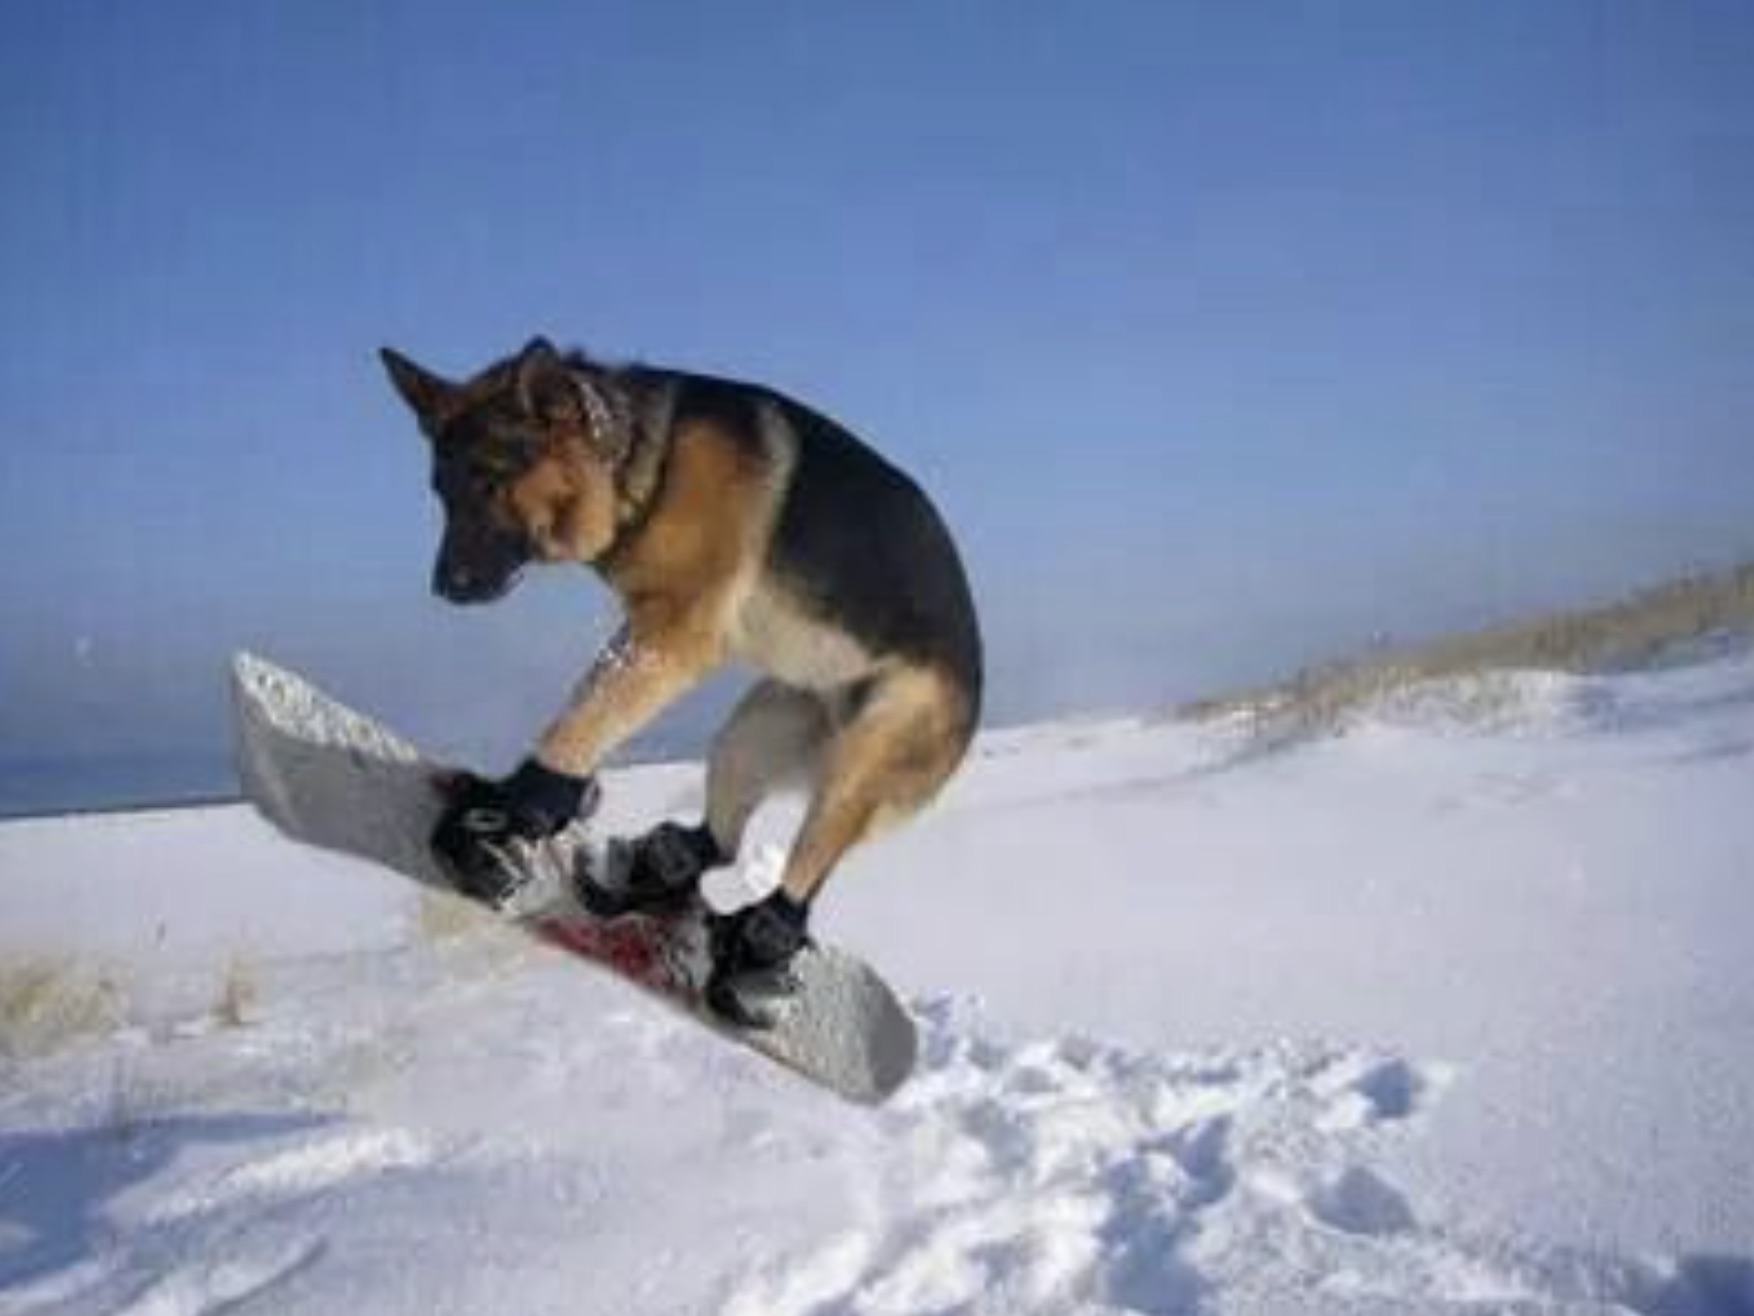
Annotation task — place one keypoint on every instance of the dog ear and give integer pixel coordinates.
(546, 387)
(428, 395)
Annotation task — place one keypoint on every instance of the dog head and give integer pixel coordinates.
(525, 458)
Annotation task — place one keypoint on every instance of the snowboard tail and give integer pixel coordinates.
(331, 777)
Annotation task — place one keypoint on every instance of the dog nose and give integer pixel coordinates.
(452, 581)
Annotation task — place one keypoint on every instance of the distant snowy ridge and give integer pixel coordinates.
(1693, 619)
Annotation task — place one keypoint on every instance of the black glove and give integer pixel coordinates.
(482, 818)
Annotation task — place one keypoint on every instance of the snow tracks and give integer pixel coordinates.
(1070, 1176)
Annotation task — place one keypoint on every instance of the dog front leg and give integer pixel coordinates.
(642, 670)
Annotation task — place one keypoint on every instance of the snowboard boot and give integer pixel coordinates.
(656, 875)
(752, 975)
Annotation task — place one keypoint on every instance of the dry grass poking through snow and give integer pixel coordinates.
(237, 996)
(1617, 636)
(46, 1001)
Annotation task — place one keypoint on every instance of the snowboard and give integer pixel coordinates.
(334, 778)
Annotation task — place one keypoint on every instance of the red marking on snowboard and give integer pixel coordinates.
(633, 947)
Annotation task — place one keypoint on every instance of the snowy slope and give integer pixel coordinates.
(1452, 1012)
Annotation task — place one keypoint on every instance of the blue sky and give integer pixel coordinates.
(1226, 335)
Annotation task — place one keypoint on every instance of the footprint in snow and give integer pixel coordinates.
(1371, 1089)
(1356, 1201)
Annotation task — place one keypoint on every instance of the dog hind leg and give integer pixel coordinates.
(774, 738)
(895, 748)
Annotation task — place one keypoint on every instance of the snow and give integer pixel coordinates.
(1453, 1011)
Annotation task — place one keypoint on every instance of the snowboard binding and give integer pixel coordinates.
(656, 875)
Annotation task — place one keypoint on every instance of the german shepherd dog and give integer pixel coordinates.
(734, 524)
